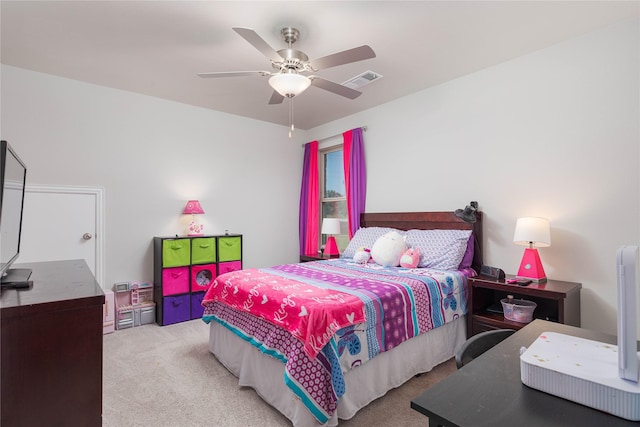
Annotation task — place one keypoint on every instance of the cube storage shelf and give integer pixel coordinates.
(183, 269)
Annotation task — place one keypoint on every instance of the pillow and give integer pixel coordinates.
(410, 258)
(388, 249)
(364, 237)
(467, 258)
(441, 249)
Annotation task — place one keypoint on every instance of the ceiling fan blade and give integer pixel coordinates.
(276, 98)
(234, 74)
(345, 57)
(258, 42)
(334, 87)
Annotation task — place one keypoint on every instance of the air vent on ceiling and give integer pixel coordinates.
(362, 80)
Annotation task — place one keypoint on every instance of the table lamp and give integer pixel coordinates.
(331, 226)
(534, 233)
(193, 207)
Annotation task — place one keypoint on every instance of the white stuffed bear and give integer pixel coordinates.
(388, 249)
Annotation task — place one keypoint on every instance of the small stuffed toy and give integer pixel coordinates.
(388, 249)
(410, 258)
(362, 256)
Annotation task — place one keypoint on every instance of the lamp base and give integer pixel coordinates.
(195, 228)
(331, 248)
(531, 266)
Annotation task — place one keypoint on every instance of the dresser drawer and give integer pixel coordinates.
(229, 248)
(203, 250)
(202, 276)
(175, 280)
(176, 309)
(176, 252)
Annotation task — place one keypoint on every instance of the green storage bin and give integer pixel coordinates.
(229, 248)
(176, 252)
(203, 250)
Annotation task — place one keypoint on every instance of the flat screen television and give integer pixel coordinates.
(13, 175)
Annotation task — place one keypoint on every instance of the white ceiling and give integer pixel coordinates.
(157, 47)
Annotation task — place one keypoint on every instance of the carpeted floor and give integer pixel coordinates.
(165, 376)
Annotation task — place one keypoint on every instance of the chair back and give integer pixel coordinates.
(479, 343)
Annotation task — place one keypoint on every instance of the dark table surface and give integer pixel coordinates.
(56, 285)
(489, 391)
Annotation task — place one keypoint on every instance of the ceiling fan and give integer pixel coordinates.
(291, 65)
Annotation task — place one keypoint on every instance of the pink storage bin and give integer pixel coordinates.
(225, 267)
(175, 280)
(202, 276)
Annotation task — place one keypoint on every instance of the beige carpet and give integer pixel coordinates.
(165, 376)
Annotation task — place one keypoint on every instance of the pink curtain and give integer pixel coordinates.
(309, 201)
(355, 177)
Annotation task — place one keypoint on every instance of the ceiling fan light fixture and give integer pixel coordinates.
(289, 84)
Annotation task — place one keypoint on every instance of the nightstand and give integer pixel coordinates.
(556, 301)
(316, 257)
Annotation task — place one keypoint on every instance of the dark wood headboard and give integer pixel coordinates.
(428, 221)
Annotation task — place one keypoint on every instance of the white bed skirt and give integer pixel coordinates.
(388, 370)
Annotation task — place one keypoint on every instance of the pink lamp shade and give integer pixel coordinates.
(331, 226)
(532, 232)
(193, 207)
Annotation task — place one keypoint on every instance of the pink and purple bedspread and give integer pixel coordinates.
(323, 318)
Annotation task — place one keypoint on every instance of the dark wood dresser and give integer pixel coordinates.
(51, 348)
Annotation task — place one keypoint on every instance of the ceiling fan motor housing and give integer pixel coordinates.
(293, 59)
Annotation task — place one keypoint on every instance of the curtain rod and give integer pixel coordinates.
(364, 129)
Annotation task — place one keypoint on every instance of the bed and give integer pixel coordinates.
(342, 334)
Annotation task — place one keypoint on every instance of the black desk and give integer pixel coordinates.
(489, 392)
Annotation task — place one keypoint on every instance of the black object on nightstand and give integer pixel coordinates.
(556, 301)
(492, 272)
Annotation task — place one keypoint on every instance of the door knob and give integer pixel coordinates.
(87, 236)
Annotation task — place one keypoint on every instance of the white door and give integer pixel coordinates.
(61, 223)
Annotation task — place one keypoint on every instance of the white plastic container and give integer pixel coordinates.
(518, 310)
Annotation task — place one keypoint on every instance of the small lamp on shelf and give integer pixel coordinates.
(193, 207)
(534, 233)
(331, 226)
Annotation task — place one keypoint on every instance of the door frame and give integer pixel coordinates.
(98, 193)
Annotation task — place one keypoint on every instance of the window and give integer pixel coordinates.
(333, 196)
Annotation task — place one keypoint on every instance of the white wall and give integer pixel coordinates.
(151, 156)
(554, 134)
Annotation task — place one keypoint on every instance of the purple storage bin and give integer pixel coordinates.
(176, 309)
(197, 310)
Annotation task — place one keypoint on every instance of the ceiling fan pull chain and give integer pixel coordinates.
(290, 116)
